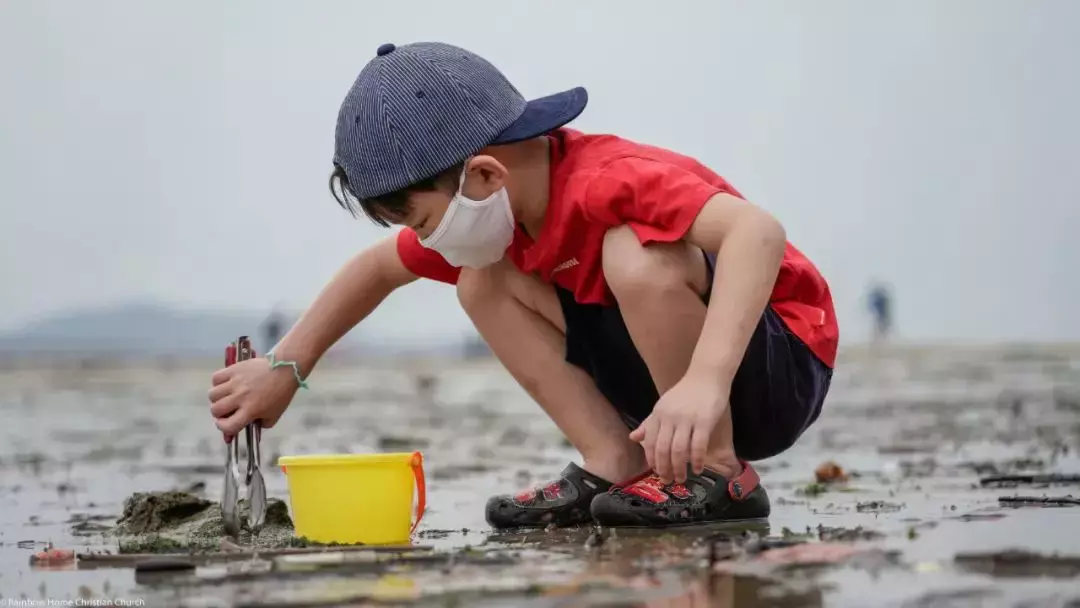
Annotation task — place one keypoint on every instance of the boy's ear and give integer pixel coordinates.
(483, 176)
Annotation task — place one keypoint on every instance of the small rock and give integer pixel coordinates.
(829, 472)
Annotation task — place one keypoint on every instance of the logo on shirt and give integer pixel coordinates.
(567, 264)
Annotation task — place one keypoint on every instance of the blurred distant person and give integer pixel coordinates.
(272, 328)
(879, 301)
(624, 286)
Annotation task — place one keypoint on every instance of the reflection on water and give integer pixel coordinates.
(729, 591)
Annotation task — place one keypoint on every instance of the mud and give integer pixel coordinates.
(177, 522)
(935, 476)
(147, 512)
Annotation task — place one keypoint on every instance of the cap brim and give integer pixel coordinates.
(545, 114)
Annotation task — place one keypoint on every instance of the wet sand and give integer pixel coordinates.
(916, 430)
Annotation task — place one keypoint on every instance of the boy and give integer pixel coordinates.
(662, 322)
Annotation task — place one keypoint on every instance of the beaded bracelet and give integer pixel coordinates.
(274, 364)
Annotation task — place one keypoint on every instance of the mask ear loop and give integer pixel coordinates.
(433, 238)
(461, 178)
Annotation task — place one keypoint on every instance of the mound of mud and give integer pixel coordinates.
(172, 522)
(148, 512)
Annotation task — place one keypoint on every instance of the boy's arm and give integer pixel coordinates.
(749, 245)
(353, 293)
(664, 203)
(252, 390)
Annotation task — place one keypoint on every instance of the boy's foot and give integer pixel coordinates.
(707, 498)
(563, 502)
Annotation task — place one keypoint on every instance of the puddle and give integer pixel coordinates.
(935, 477)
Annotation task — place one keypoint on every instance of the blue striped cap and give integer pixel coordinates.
(419, 109)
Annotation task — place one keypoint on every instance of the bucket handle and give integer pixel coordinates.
(417, 464)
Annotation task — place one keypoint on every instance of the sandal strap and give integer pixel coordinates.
(584, 479)
(740, 486)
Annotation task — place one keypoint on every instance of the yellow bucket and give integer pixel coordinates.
(356, 498)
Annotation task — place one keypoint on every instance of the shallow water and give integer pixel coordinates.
(915, 427)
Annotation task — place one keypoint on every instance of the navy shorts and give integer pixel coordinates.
(777, 393)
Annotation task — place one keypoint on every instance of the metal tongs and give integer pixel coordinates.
(241, 350)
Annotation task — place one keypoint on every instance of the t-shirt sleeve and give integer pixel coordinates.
(658, 200)
(422, 261)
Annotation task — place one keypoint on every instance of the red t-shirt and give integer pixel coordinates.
(602, 181)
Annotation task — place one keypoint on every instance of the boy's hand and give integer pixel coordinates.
(680, 426)
(249, 391)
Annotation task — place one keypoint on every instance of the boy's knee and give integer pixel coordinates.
(475, 286)
(479, 288)
(633, 270)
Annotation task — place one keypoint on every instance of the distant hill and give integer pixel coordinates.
(143, 329)
(135, 329)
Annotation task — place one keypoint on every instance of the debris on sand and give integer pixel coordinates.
(830, 472)
(723, 547)
(787, 502)
(402, 444)
(170, 522)
(596, 538)
(979, 517)
(788, 534)
(1011, 481)
(906, 449)
(1039, 501)
(89, 528)
(877, 506)
(1019, 563)
(812, 489)
(78, 518)
(841, 534)
(435, 533)
(1002, 467)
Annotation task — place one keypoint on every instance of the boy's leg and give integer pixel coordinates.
(663, 292)
(660, 290)
(521, 320)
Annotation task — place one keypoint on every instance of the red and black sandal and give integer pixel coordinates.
(709, 498)
(563, 502)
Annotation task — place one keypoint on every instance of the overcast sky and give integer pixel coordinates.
(932, 144)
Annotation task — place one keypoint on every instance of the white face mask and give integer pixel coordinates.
(474, 233)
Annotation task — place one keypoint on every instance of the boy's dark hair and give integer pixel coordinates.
(394, 204)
